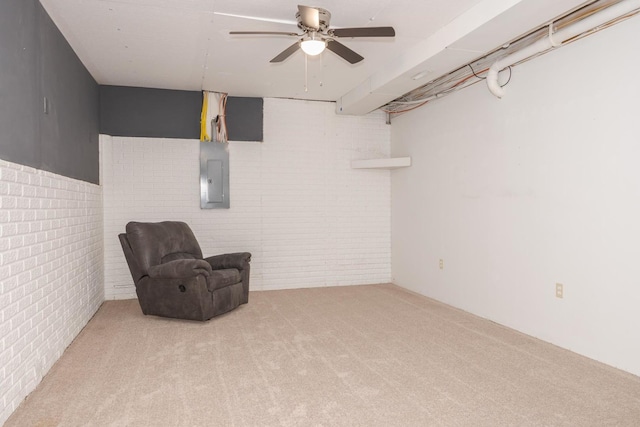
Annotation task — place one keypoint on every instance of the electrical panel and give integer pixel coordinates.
(214, 175)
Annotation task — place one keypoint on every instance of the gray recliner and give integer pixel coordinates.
(172, 278)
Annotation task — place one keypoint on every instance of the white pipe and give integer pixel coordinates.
(586, 24)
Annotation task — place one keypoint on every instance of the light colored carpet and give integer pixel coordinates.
(348, 356)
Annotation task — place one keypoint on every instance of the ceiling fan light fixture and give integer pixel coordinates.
(313, 46)
(316, 35)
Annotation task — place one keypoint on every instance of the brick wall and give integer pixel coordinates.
(51, 276)
(296, 204)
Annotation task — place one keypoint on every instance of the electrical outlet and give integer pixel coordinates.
(441, 264)
(559, 290)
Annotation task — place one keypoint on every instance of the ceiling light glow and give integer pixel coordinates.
(313, 47)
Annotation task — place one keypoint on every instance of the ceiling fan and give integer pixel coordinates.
(316, 35)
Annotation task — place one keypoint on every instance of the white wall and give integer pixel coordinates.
(51, 277)
(296, 205)
(542, 186)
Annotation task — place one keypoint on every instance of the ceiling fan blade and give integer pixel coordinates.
(343, 51)
(287, 52)
(309, 16)
(277, 33)
(364, 32)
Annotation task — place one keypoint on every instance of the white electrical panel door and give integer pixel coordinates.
(214, 175)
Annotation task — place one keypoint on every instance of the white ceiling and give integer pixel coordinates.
(183, 44)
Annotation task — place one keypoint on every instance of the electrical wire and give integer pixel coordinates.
(454, 87)
(474, 73)
(203, 118)
(509, 79)
(222, 118)
(459, 79)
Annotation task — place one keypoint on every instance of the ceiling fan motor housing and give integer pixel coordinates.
(324, 18)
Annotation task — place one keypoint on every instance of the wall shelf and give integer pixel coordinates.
(392, 163)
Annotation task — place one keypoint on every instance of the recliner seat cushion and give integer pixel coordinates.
(223, 278)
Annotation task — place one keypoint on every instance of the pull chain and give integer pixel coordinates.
(321, 69)
(306, 73)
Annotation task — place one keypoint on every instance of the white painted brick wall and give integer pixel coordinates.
(296, 204)
(51, 276)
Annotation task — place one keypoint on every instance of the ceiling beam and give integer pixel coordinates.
(481, 29)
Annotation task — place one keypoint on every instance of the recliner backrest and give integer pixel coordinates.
(159, 242)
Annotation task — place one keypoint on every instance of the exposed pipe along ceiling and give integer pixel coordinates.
(563, 30)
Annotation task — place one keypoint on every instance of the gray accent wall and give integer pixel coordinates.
(244, 118)
(19, 82)
(37, 63)
(162, 113)
(144, 112)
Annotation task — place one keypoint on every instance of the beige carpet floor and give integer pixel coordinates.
(347, 356)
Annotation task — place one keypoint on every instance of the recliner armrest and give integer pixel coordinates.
(235, 260)
(180, 268)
